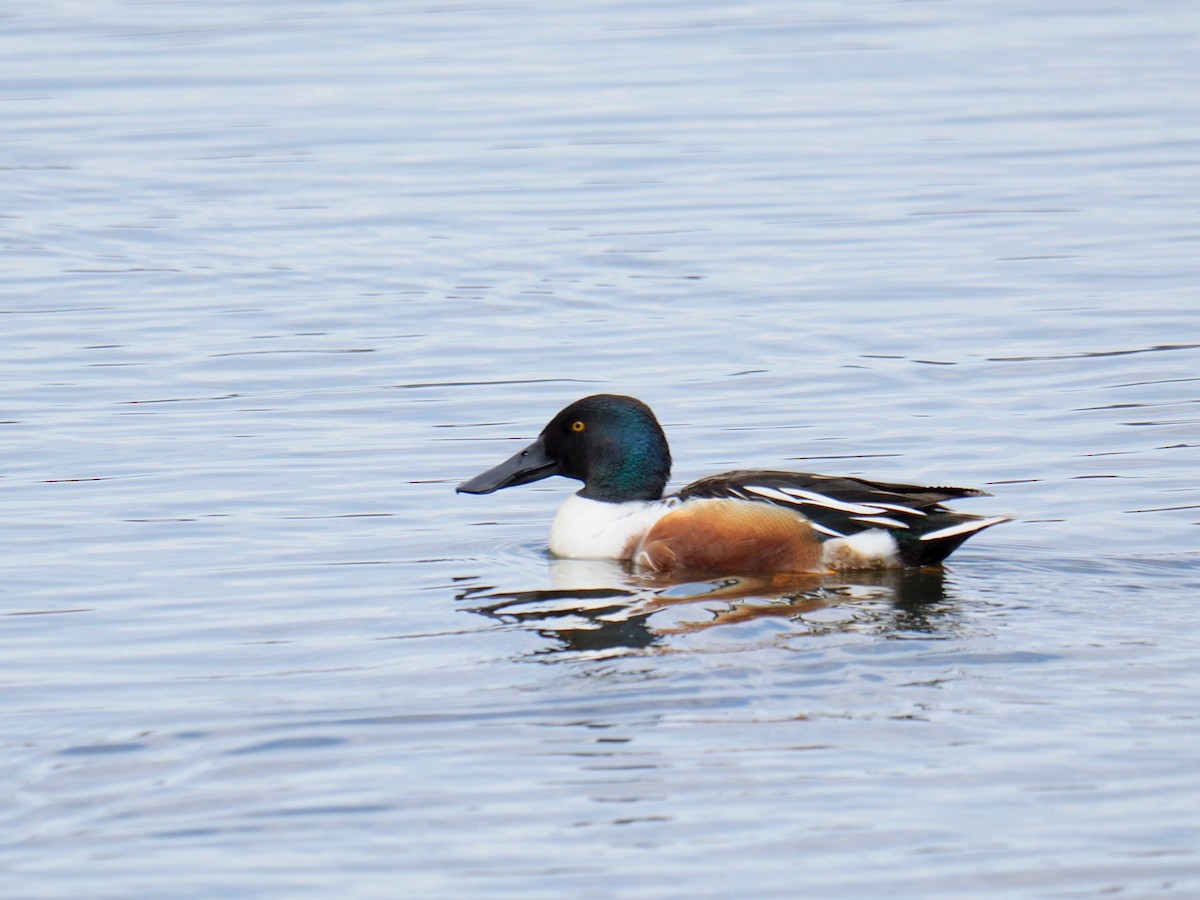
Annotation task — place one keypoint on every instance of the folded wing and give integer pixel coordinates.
(839, 507)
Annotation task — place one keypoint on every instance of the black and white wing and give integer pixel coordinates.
(838, 507)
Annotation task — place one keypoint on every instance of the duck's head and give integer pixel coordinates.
(613, 444)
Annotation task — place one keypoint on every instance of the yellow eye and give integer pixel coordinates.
(577, 426)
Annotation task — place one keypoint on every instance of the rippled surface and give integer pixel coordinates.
(277, 276)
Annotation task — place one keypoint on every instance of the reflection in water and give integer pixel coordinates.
(636, 611)
(590, 620)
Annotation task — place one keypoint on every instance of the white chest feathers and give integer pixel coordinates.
(593, 529)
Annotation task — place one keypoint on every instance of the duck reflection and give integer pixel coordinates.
(600, 606)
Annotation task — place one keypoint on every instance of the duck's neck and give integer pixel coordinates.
(632, 470)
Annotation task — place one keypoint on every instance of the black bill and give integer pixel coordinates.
(531, 464)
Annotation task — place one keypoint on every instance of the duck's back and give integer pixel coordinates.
(862, 522)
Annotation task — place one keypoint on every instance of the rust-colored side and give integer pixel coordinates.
(729, 536)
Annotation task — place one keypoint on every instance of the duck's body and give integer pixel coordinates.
(740, 522)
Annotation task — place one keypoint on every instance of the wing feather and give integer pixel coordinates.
(840, 507)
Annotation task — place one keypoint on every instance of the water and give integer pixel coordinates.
(277, 276)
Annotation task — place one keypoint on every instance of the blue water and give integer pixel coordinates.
(276, 277)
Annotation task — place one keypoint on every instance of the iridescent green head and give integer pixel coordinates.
(613, 444)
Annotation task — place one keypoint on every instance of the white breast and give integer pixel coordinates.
(593, 529)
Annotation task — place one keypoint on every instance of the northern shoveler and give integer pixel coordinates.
(743, 522)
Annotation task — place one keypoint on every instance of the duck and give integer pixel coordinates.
(748, 521)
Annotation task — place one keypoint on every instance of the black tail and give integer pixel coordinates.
(942, 534)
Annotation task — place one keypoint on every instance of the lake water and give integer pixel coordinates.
(277, 276)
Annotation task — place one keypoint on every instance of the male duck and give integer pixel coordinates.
(743, 522)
